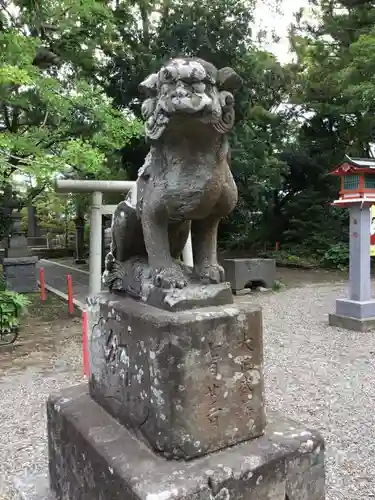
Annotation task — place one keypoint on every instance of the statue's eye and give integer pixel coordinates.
(199, 87)
(165, 75)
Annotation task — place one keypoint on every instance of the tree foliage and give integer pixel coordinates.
(51, 116)
(69, 76)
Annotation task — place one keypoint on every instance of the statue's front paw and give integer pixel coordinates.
(172, 277)
(211, 273)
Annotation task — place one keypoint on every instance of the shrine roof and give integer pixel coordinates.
(351, 165)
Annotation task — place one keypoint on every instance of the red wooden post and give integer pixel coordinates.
(277, 246)
(85, 344)
(42, 285)
(70, 293)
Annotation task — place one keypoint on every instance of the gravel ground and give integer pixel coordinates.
(23, 394)
(324, 377)
(318, 375)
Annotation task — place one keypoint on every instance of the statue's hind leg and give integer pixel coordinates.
(178, 236)
(167, 273)
(204, 239)
(204, 234)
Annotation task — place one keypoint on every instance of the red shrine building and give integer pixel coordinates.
(357, 181)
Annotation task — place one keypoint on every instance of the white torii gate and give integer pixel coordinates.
(97, 188)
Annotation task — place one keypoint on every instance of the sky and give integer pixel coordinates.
(267, 18)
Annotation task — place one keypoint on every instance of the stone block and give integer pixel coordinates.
(244, 273)
(187, 382)
(355, 309)
(37, 241)
(20, 273)
(354, 315)
(349, 323)
(93, 457)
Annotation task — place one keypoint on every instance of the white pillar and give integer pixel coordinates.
(95, 284)
(187, 253)
(133, 193)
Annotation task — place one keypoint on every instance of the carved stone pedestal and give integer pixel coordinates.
(93, 457)
(174, 410)
(187, 383)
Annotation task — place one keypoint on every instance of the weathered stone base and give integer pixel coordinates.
(355, 324)
(93, 457)
(241, 273)
(20, 274)
(190, 382)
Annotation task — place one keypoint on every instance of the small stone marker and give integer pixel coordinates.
(175, 403)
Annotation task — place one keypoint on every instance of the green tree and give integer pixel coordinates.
(51, 116)
(331, 98)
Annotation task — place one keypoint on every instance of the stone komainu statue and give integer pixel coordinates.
(185, 181)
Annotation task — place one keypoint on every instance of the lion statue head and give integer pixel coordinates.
(189, 87)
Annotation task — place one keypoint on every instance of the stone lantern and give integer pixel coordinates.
(18, 263)
(357, 193)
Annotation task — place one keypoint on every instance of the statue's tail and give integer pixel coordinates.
(127, 239)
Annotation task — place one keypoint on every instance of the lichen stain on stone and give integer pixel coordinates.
(163, 495)
(124, 358)
(228, 472)
(240, 359)
(255, 376)
(237, 376)
(307, 447)
(63, 401)
(185, 437)
(241, 317)
(250, 424)
(158, 395)
(259, 479)
(140, 375)
(222, 495)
